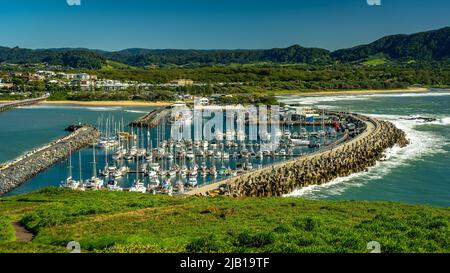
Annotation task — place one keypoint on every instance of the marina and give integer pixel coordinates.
(150, 160)
(132, 158)
(123, 171)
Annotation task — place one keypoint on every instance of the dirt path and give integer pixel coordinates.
(22, 234)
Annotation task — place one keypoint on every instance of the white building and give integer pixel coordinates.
(66, 76)
(44, 73)
(203, 101)
(112, 84)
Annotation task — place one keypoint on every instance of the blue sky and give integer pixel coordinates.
(212, 24)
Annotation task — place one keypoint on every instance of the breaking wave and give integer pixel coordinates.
(90, 108)
(312, 100)
(136, 111)
(422, 143)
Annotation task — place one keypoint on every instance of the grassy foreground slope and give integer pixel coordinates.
(127, 222)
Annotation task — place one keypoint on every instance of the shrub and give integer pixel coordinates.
(207, 244)
(258, 239)
(7, 232)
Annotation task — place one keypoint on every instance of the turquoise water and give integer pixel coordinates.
(26, 128)
(419, 173)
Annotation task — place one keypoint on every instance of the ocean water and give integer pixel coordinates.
(419, 173)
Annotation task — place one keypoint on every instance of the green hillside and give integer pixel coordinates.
(425, 46)
(127, 222)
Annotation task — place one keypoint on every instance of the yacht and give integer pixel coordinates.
(190, 155)
(154, 184)
(300, 142)
(94, 183)
(70, 183)
(113, 186)
(155, 167)
(180, 187)
(192, 181)
(138, 186)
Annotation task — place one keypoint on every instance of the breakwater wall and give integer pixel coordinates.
(342, 159)
(10, 105)
(20, 170)
(151, 119)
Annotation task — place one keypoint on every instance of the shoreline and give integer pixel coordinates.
(109, 103)
(357, 92)
(298, 93)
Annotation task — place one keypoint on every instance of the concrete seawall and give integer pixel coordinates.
(20, 170)
(340, 160)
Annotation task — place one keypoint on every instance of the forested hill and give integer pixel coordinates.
(293, 54)
(428, 46)
(75, 58)
(94, 59)
(424, 46)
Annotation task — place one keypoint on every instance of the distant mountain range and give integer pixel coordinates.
(425, 46)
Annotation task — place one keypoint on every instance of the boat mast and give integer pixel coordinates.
(106, 158)
(137, 159)
(70, 161)
(94, 162)
(79, 166)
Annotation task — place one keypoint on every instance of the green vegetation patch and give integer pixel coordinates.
(7, 232)
(129, 223)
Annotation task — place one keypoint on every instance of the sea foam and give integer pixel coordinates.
(312, 100)
(422, 143)
(136, 111)
(90, 108)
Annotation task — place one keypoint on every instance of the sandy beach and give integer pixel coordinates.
(110, 103)
(363, 92)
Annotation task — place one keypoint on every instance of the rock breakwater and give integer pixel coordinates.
(17, 172)
(340, 160)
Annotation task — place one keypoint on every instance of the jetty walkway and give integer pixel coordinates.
(14, 104)
(347, 156)
(23, 168)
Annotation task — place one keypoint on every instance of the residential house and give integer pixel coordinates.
(182, 82)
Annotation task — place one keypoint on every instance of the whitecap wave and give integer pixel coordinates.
(422, 143)
(136, 111)
(74, 107)
(103, 108)
(312, 100)
(442, 121)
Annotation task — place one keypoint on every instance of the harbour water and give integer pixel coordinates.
(418, 174)
(29, 127)
(26, 128)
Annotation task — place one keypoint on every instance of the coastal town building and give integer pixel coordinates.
(182, 82)
(66, 76)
